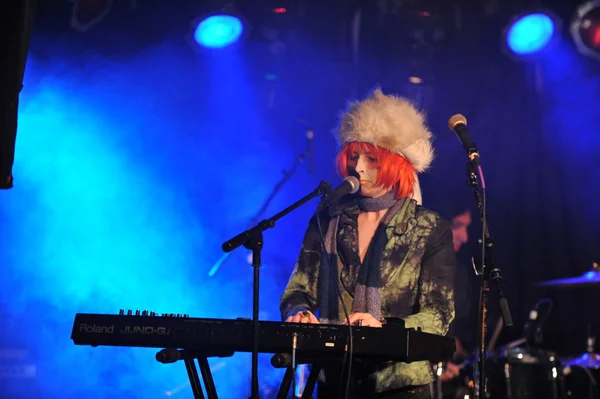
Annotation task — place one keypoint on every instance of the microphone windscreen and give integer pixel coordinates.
(354, 183)
(455, 120)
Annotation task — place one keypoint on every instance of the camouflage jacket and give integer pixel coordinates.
(417, 270)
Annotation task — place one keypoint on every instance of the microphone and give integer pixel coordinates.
(310, 155)
(458, 124)
(350, 185)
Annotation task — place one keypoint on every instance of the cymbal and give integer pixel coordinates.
(587, 278)
(589, 360)
(497, 351)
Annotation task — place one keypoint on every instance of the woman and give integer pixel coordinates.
(384, 254)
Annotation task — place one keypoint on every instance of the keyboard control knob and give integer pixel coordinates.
(145, 313)
(137, 312)
(129, 312)
(121, 312)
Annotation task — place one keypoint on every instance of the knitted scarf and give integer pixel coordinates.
(367, 293)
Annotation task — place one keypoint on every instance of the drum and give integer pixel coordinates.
(520, 373)
(582, 382)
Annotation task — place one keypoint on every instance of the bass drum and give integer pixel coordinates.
(524, 373)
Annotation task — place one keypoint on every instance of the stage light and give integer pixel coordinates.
(220, 28)
(530, 33)
(218, 31)
(87, 13)
(585, 29)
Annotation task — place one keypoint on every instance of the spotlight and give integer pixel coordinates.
(585, 29)
(219, 29)
(530, 33)
(87, 13)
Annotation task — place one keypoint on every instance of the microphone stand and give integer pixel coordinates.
(489, 271)
(253, 240)
(286, 176)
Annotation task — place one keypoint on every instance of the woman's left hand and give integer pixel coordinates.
(366, 320)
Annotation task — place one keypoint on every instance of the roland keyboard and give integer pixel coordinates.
(223, 337)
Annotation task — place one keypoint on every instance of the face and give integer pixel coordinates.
(460, 233)
(366, 166)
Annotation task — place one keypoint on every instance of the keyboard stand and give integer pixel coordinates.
(311, 381)
(189, 357)
(289, 375)
(286, 383)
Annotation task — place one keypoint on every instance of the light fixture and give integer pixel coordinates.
(87, 13)
(530, 33)
(219, 29)
(585, 29)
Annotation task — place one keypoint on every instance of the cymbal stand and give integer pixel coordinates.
(287, 175)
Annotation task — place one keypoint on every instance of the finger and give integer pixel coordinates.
(303, 316)
(371, 323)
(313, 319)
(353, 318)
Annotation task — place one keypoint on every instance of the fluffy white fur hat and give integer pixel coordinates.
(390, 122)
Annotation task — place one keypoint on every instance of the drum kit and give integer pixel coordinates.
(519, 370)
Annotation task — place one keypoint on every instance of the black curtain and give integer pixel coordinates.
(16, 19)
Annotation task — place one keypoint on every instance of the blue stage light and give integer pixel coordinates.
(218, 31)
(530, 33)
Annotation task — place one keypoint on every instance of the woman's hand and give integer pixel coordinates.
(363, 319)
(304, 316)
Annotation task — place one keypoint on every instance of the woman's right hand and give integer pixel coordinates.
(304, 316)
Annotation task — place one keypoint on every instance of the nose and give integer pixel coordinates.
(360, 164)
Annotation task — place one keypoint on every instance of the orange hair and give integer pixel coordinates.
(392, 169)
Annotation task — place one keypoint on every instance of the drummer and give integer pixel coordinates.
(464, 326)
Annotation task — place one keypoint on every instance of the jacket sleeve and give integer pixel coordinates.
(301, 290)
(436, 283)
